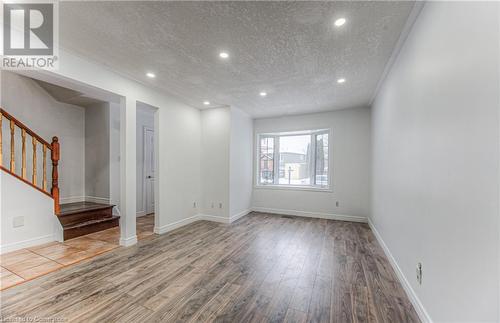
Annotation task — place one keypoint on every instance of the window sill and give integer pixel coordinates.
(294, 188)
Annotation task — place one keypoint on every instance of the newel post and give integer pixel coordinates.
(55, 175)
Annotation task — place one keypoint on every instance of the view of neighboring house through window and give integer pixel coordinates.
(266, 160)
(294, 159)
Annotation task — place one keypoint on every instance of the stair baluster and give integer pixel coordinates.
(12, 147)
(44, 168)
(23, 154)
(34, 161)
(76, 218)
(54, 148)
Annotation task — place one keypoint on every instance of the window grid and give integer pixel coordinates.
(307, 166)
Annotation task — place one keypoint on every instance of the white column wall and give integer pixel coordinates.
(128, 171)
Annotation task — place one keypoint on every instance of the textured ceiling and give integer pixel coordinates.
(289, 49)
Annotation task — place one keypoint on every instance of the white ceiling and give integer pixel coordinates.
(66, 95)
(289, 49)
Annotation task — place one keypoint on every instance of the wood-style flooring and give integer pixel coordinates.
(262, 268)
(25, 264)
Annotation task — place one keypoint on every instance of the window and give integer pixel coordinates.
(294, 159)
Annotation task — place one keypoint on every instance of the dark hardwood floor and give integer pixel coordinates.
(264, 268)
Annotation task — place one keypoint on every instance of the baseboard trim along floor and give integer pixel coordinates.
(419, 308)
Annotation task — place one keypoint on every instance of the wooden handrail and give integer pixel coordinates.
(22, 126)
(54, 148)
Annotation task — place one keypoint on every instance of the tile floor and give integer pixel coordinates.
(29, 263)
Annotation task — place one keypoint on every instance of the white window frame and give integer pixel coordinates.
(276, 185)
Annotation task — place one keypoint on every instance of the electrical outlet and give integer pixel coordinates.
(18, 221)
(337, 204)
(419, 273)
(220, 205)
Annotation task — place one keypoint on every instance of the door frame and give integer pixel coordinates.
(144, 181)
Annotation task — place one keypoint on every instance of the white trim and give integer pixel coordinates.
(72, 199)
(419, 308)
(96, 199)
(213, 218)
(410, 21)
(331, 216)
(127, 242)
(26, 243)
(84, 198)
(175, 225)
(140, 213)
(199, 217)
(275, 136)
(293, 188)
(238, 216)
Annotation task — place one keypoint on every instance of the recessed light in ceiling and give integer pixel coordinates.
(150, 75)
(263, 93)
(206, 102)
(339, 22)
(342, 80)
(223, 55)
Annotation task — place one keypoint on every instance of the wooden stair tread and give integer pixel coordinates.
(80, 207)
(91, 222)
(81, 218)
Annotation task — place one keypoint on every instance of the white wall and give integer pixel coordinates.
(145, 118)
(241, 163)
(97, 152)
(215, 143)
(179, 163)
(32, 105)
(38, 226)
(350, 167)
(436, 160)
(178, 136)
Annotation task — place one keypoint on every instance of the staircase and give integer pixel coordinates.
(83, 218)
(77, 219)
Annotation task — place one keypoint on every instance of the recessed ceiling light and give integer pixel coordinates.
(223, 55)
(342, 80)
(339, 22)
(263, 93)
(151, 75)
(206, 102)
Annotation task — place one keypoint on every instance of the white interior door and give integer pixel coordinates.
(149, 170)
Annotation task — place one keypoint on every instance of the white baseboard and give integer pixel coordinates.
(213, 218)
(127, 242)
(94, 199)
(175, 225)
(198, 217)
(239, 215)
(331, 216)
(419, 308)
(140, 213)
(26, 243)
(71, 199)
